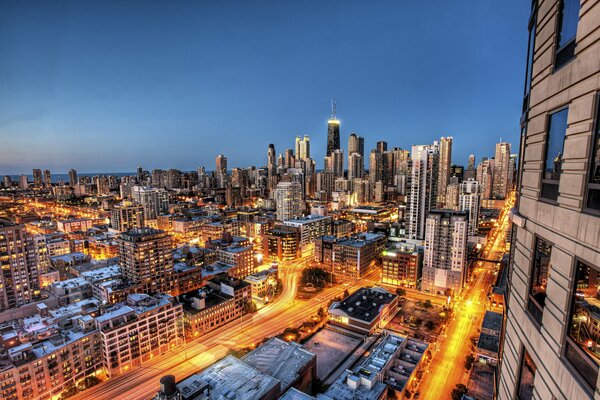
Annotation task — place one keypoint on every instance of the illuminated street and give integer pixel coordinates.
(447, 367)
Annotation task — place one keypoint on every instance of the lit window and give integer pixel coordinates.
(581, 348)
(538, 280)
(555, 140)
(593, 197)
(526, 377)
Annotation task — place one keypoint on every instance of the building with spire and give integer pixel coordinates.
(333, 131)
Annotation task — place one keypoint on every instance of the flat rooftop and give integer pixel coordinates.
(231, 378)
(282, 360)
(492, 321)
(364, 304)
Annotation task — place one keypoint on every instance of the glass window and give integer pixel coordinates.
(567, 30)
(540, 272)
(555, 139)
(593, 199)
(526, 377)
(530, 51)
(582, 349)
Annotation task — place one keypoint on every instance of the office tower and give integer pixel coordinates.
(19, 282)
(381, 146)
(221, 164)
(388, 167)
(337, 163)
(302, 147)
(550, 348)
(126, 216)
(290, 160)
(469, 200)
(401, 161)
(333, 131)
(356, 144)
(325, 181)
(444, 168)
(155, 201)
(271, 156)
(470, 172)
(7, 181)
(159, 178)
(23, 183)
(102, 185)
(356, 166)
(445, 259)
(375, 166)
(288, 197)
(140, 174)
(47, 179)
(423, 181)
(485, 178)
(502, 179)
(37, 178)
(146, 259)
(72, 177)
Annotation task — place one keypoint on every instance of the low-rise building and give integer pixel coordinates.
(488, 345)
(71, 290)
(75, 225)
(141, 328)
(263, 284)
(289, 362)
(281, 243)
(401, 265)
(349, 257)
(310, 227)
(364, 310)
(220, 302)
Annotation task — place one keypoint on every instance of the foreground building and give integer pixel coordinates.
(551, 348)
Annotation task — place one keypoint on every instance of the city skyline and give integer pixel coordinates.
(269, 97)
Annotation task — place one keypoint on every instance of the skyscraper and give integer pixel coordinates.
(290, 160)
(423, 190)
(288, 198)
(333, 131)
(37, 178)
(19, 282)
(47, 179)
(23, 183)
(155, 201)
(485, 178)
(471, 172)
(469, 201)
(72, 177)
(356, 144)
(221, 164)
(356, 166)
(502, 167)
(302, 147)
(445, 258)
(381, 146)
(375, 166)
(337, 163)
(146, 259)
(444, 169)
(126, 216)
(271, 156)
(551, 345)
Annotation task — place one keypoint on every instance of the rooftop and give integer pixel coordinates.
(282, 360)
(364, 304)
(307, 219)
(230, 378)
(492, 321)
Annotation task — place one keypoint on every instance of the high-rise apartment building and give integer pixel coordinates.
(445, 162)
(356, 144)
(485, 178)
(333, 132)
(423, 189)
(381, 146)
(302, 147)
(126, 216)
(375, 166)
(72, 177)
(290, 160)
(37, 178)
(471, 171)
(221, 164)
(445, 259)
(47, 179)
(289, 202)
(23, 183)
(146, 259)
(356, 166)
(502, 176)
(155, 201)
(551, 343)
(19, 281)
(337, 163)
(469, 200)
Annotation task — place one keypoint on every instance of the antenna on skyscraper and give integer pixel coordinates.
(333, 109)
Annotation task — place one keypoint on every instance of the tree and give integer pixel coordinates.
(427, 304)
(249, 308)
(469, 362)
(346, 294)
(430, 325)
(458, 391)
(321, 312)
(69, 392)
(401, 292)
(315, 276)
(407, 394)
(391, 393)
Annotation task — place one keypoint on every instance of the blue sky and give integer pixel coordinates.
(107, 86)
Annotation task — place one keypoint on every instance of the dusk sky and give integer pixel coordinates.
(103, 86)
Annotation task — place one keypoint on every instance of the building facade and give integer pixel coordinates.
(550, 348)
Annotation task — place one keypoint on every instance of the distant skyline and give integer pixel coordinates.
(107, 86)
